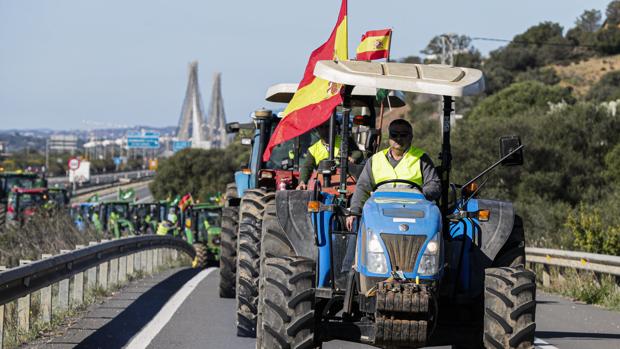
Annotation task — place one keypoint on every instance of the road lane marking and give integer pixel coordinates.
(152, 329)
(539, 343)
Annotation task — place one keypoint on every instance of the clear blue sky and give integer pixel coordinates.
(125, 62)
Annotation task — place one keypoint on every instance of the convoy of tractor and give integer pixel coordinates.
(411, 272)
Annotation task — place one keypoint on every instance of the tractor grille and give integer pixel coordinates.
(403, 250)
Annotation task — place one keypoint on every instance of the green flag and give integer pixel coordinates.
(94, 198)
(126, 195)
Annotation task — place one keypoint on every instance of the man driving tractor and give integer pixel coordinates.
(400, 161)
(320, 151)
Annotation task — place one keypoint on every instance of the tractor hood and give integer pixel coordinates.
(391, 209)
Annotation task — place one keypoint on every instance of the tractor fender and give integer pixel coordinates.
(293, 216)
(497, 230)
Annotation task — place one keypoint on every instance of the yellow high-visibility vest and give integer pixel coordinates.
(319, 151)
(409, 167)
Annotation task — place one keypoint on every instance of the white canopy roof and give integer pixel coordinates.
(432, 79)
(283, 93)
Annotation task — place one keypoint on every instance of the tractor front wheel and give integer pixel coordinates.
(228, 251)
(200, 260)
(509, 308)
(288, 317)
(251, 212)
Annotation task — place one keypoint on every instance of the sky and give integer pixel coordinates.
(78, 64)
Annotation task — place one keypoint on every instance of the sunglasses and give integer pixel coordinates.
(399, 134)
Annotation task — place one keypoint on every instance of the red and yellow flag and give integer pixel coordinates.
(315, 98)
(186, 201)
(375, 45)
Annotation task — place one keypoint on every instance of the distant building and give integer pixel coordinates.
(63, 143)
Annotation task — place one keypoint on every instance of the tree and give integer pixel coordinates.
(460, 44)
(589, 21)
(613, 13)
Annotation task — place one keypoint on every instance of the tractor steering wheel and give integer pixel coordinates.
(404, 181)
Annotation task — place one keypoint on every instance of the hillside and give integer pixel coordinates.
(582, 75)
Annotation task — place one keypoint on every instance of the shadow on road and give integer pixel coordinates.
(130, 321)
(585, 335)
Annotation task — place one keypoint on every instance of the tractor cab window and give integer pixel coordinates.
(20, 182)
(212, 217)
(120, 209)
(287, 151)
(28, 201)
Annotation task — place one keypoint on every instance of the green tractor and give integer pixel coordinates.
(17, 179)
(60, 197)
(115, 218)
(202, 230)
(145, 217)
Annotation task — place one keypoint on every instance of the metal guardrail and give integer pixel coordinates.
(598, 263)
(21, 281)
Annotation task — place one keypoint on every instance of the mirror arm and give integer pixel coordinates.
(490, 168)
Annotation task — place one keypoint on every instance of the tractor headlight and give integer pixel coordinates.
(429, 264)
(375, 254)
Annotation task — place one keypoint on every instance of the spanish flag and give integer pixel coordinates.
(315, 98)
(375, 45)
(186, 201)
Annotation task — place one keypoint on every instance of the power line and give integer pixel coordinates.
(537, 43)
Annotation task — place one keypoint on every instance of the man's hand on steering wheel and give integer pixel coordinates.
(403, 181)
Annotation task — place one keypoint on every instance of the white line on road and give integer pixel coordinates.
(539, 343)
(152, 329)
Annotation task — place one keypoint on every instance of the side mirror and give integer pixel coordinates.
(246, 141)
(508, 144)
(232, 127)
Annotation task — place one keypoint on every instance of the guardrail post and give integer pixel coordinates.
(149, 261)
(156, 264)
(175, 254)
(2, 268)
(143, 266)
(63, 291)
(546, 276)
(46, 300)
(136, 261)
(130, 263)
(23, 307)
(78, 285)
(102, 280)
(114, 271)
(122, 270)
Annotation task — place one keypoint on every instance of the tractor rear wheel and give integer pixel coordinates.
(252, 208)
(2, 214)
(200, 260)
(509, 308)
(288, 302)
(512, 253)
(228, 251)
(274, 242)
(230, 193)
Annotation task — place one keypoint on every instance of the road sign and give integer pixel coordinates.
(143, 140)
(179, 145)
(74, 163)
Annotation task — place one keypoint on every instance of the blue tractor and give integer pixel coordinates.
(413, 273)
(245, 199)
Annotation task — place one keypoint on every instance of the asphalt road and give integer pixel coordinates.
(143, 194)
(206, 321)
(203, 320)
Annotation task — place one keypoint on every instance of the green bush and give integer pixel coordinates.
(591, 233)
(606, 89)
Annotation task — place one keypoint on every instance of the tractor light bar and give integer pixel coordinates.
(266, 175)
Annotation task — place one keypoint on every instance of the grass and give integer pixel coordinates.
(587, 287)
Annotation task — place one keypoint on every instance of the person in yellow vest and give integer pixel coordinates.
(320, 151)
(400, 161)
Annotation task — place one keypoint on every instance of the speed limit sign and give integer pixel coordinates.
(74, 163)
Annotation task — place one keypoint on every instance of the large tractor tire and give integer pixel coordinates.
(251, 212)
(230, 193)
(201, 259)
(288, 301)
(274, 243)
(512, 253)
(2, 214)
(509, 308)
(228, 251)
